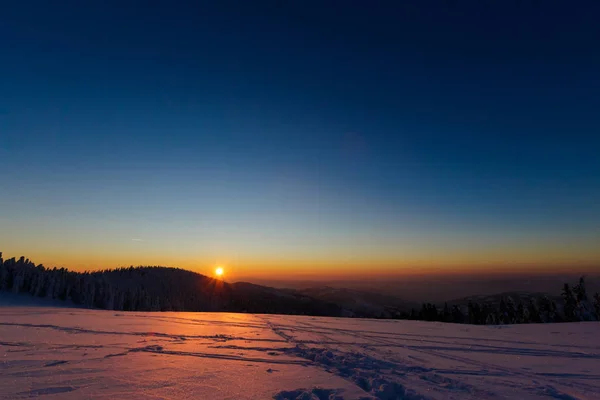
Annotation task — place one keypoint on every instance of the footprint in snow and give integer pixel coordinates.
(47, 391)
(53, 363)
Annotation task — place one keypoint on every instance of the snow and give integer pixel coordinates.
(25, 299)
(62, 353)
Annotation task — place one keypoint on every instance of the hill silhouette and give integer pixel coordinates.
(154, 288)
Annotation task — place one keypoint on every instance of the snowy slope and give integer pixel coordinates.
(74, 354)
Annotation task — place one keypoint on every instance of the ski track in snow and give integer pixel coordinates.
(71, 354)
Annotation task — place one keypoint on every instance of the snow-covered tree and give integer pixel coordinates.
(533, 311)
(584, 309)
(522, 317)
(570, 303)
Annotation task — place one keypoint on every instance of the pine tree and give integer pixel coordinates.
(50, 286)
(155, 305)
(446, 315)
(512, 310)
(570, 303)
(414, 315)
(39, 284)
(503, 317)
(76, 290)
(485, 314)
(533, 312)
(544, 307)
(109, 293)
(129, 301)
(554, 314)
(522, 317)
(18, 281)
(166, 305)
(59, 283)
(491, 319)
(475, 314)
(457, 315)
(119, 300)
(584, 310)
(89, 292)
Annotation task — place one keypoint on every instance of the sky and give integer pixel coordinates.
(301, 138)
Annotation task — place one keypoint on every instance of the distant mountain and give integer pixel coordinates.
(440, 287)
(362, 302)
(262, 299)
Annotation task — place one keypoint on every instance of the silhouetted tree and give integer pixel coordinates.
(512, 310)
(570, 303)
(597, 305)
(522, 317)
(457, 315)
(474, 313)
(429, 312)
(584, 309)
(579, 290)
(533, 312)
(446, 314)
(503, 312)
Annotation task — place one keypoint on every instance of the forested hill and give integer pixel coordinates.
(174, 289)
(153, 289)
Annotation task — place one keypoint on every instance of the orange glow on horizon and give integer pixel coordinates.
(241, 266)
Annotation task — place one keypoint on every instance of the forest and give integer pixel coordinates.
(153, 288)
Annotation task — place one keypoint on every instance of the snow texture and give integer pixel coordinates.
(61, 353)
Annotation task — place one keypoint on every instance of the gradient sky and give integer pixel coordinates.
(301, 137)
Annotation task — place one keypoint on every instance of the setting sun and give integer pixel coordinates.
(219, 271)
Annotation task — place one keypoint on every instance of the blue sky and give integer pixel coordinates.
(343, 135)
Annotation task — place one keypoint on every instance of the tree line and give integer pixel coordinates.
(576, 306)
(154, 288)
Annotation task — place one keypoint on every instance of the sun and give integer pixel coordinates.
(219, 271)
